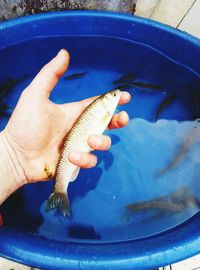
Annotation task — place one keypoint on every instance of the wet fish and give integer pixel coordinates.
(191, 138)
(94, 120)
(175, 202)
(147, 85)
(165, 103)
(4, 110)
(126, 78)
(5, 107)
(196, 99)
(9, 85)
(155, 204)
(74, 76)
(6, 87)
(143, 86)
(124, 87)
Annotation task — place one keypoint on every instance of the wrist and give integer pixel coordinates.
(12, 175)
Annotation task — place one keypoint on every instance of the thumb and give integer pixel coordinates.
(47, 78)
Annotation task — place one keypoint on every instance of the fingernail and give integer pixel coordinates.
(98, 141)
(124, 116)
(74, 156)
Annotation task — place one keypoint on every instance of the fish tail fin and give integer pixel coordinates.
(60, 201)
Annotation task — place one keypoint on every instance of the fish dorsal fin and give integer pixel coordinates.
(74, 174)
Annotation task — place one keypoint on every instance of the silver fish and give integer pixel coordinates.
(189, 141)
(94, 120)
(156, 204)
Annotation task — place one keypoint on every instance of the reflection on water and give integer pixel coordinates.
(128, 199)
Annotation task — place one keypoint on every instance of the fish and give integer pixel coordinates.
(126, 78)
(6, 87)
(124, 87)
(74, 76)
(191, 138)
(155, 204)
(147, 85)
(5, 107)
(197, 105)
(175, 202)
(93, 120)
(9, 85)
(196, 99)
(164, 104)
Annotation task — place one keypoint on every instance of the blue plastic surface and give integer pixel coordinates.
(105, 46)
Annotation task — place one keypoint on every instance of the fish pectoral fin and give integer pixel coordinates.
(74, 174)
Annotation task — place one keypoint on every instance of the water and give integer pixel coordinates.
(135, 169)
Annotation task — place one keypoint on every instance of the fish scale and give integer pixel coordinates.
(93, 121)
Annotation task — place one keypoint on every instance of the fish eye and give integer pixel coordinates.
(114, 94)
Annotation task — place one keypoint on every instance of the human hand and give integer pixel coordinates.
(36, 129)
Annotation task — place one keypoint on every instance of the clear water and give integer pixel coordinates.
(135, 169)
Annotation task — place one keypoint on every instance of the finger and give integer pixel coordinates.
(119, 120)
(46, 79)
(125, 98)
(83, 160)
(100, 142)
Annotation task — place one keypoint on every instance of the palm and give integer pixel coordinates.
(37, 129)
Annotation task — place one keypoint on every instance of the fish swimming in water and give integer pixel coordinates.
(191, 138)
(5, 110)
(124, 87)
(164, 104)
(196, 98)
(128, 82)
(147, 85)
(74, 76)
(126, 78)
(175, 202)
(93, 120)
(9, 85)
(4, 89)
(155, 204)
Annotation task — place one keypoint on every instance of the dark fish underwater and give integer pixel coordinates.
(175, 202)
(74, 76)
(126, 78)
(164, 104)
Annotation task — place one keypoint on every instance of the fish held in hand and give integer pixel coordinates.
(93, 121)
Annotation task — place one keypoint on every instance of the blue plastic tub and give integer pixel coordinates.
(101, 234)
